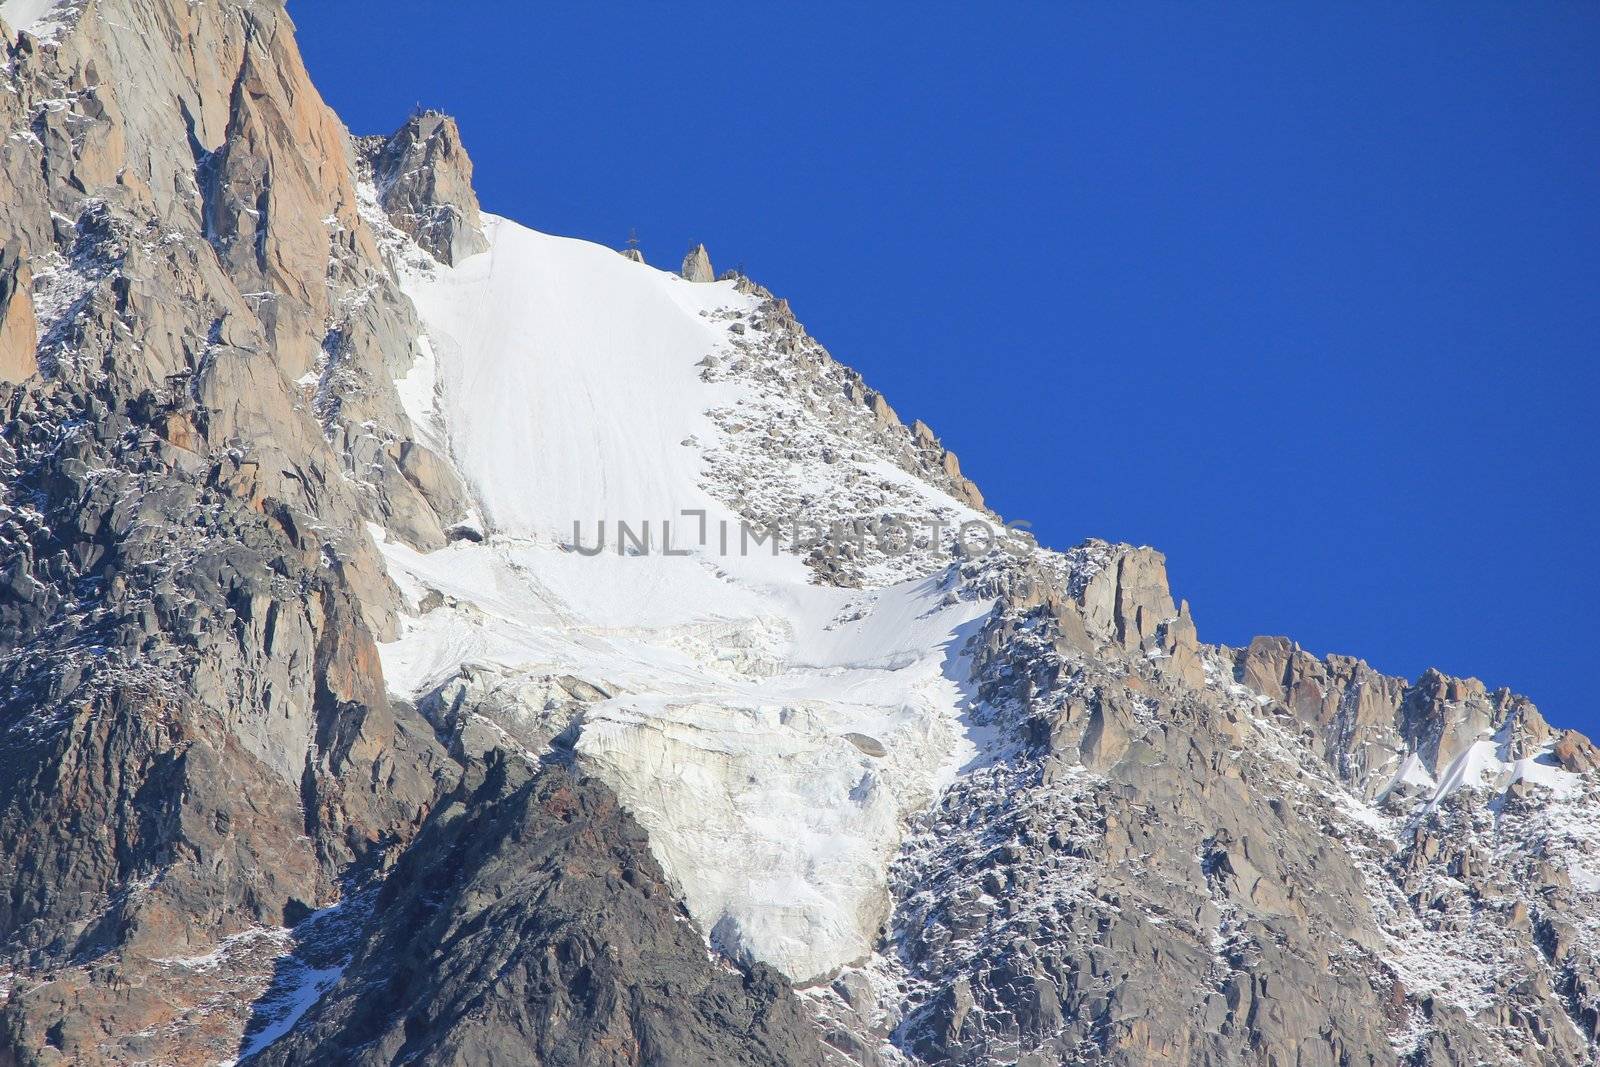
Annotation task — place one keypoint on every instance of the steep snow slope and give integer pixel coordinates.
(771, 734)
(569, 378)
(38, 17)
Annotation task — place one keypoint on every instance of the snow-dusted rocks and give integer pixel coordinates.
(347, 551)
(781, 740)
(37, 18)
(782, 755)
(195, 737)
(423, 179)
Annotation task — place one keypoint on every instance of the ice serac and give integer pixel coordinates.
(1139, 849)
(724, 667)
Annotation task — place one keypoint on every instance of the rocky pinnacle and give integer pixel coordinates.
(697, 265)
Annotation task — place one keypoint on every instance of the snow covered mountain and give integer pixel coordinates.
(427, 640)
(772, 734)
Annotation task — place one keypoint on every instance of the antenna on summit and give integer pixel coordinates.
(632, 251)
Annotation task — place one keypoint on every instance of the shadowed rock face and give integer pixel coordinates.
(1178, 852)
(528, 923)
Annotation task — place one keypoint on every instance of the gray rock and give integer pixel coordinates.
(528, 923)
(424, 182)
(870, 746)
(697, 265)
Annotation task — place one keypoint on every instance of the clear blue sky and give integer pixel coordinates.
(1306, 296)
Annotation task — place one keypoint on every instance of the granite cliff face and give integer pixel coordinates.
(201, 340)
(316, 748)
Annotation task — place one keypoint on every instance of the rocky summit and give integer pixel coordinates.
(427, 640)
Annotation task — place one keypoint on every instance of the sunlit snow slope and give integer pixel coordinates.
(37, 17)
(570, 379)
(771, 734)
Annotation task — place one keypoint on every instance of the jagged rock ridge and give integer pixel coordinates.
(268, 787)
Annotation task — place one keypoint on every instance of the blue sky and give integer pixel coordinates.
(1306, 296)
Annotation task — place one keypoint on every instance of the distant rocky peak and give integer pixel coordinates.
(697, 265)
(1382, 735)
(423, 177)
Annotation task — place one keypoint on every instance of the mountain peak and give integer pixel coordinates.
(697, 265)
(423, 178)
(424, 638)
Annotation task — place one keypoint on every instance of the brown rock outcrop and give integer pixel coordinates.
(697, 265)
(19, 329)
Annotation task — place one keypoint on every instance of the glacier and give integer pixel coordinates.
(770, 733)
